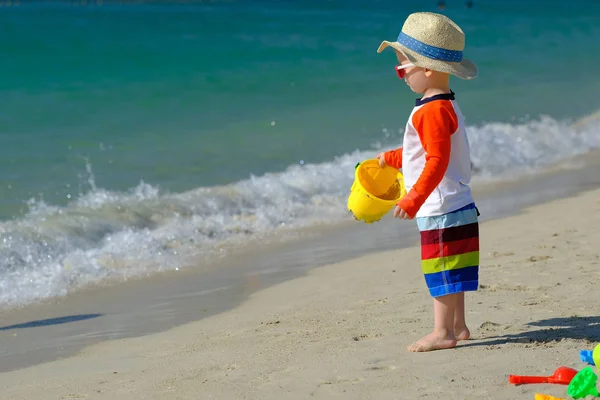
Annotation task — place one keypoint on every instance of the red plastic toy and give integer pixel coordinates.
(562, 376)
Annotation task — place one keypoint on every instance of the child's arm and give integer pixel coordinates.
(435, 123)
(393, 158)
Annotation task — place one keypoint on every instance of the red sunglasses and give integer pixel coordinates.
(401, 70)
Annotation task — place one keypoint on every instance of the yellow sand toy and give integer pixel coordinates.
(538, 396)
(375, 191)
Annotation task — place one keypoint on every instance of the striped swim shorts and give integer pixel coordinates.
(450, 251)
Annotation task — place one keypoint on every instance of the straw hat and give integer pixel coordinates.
(435, 42)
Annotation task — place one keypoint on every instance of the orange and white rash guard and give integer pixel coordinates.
(434, 158)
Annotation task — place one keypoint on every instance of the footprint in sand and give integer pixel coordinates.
(490, 326)
(495, 254)
(341, 381)
(529, 303)
(364, 336)
(408, 320)
(511, 288)
(382, 367)
(537, 258)
(273, 322)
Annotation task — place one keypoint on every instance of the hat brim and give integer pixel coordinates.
(465, 69)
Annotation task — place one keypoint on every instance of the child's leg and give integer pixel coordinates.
(450, 264)
(442, 337)
(460, 326)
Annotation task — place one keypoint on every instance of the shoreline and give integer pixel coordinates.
(341, 330)
(62, 327)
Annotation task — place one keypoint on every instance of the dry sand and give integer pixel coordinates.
(341, 331)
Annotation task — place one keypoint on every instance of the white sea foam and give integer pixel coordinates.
(118, 235)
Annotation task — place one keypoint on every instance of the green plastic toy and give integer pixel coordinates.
(583, 384)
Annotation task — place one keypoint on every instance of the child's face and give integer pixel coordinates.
(416, 77)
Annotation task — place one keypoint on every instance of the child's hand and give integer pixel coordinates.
(381, 159)
(400, 213)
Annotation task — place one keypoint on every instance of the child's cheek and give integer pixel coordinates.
(411, 82)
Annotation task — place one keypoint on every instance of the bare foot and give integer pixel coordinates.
(433, 341)
(462, 333)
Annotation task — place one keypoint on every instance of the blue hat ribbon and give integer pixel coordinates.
(436, 53)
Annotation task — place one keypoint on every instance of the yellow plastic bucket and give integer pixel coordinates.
(375, 191)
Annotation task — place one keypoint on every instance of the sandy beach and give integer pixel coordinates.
(341, 331)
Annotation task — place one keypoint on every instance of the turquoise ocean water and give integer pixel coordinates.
(138, 137)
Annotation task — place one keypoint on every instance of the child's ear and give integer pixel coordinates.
(428, 72)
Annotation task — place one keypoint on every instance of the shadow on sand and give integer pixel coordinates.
(51, 321)
(555, 329)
